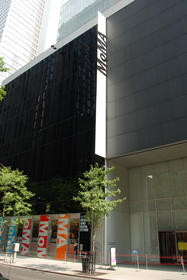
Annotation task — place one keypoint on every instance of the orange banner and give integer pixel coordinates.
(62, 236)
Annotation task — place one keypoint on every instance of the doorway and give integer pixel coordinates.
(167, 243)
(182, 244)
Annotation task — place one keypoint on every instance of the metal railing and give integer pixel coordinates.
(130, 259)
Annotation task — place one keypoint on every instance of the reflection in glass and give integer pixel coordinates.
(19, 232)
(160, 189)
(74, 14)
(34, 236)
(52, 237)
(73, 240)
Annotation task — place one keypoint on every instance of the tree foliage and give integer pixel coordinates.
(14, 194)
(2, 64)
(2, 69)
(95, 196)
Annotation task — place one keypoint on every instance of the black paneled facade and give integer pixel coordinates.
(47, 120)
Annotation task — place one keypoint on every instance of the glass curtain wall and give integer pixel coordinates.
(20, 26)
(158, 207)
(74, 14)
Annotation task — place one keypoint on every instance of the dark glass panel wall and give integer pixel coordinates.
(47, 119)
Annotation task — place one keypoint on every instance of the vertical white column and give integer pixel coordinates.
(100, 130)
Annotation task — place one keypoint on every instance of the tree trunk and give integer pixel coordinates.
(93, 252)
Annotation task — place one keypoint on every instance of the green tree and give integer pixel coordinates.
(94, 198)
(14, 194)
(2, 69)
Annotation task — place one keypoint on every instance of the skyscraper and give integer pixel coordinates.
(27, 29)
(75, 14)
(20, 26)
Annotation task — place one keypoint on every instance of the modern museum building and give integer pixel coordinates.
(115, 92)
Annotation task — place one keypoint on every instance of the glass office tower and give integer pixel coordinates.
(20, 25)
(74, 14)
(4, 8)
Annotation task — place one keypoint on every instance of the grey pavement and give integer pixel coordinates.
(102, 272)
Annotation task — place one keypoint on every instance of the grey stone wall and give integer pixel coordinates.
(147, 76)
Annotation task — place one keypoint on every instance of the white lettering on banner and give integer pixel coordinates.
(42, 238)
(62, 240)
(26, 225)
(41, 253)
(62, 216)
(41, 241)
(62, 226)
(62, 235)
(26, 236)
(62, 229)
(43, 228)
(24, 249)
(11, 239)
(11, 230)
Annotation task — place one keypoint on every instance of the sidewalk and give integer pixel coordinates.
(102, 272)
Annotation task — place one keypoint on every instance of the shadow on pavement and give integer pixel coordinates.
(45, 267)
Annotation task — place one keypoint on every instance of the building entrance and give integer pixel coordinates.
(181, 238)
(173, 245)
(167, 242)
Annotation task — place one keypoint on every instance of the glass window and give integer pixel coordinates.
(52, 237)
(73, 241)
(19, 232)
(34, 238)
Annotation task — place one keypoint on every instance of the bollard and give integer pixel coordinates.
(146, 261)
(182, 264)
(11, 257)
(137, 262)
(5, 257)
(14, 257)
